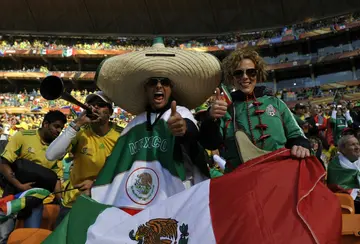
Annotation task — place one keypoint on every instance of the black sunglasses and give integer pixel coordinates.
(249, 72)
(154, 81)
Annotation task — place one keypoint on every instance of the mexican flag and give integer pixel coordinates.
(226, 94)
(142, 170)
(67, 52)
(344, 176)
(43, 51)
(271, 199)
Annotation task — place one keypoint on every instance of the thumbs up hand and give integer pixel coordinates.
(219, 107)
(176, 123)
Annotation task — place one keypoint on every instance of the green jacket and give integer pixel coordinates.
(282, 129)
(339, 123)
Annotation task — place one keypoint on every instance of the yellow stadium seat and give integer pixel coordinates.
(350, 220)
(28, 236)
(350, 229)
(347, 203)
(50, 214)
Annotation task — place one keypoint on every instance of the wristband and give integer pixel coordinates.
(74, 126)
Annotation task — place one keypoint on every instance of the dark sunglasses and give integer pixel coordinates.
(249, 72)
(154, 81)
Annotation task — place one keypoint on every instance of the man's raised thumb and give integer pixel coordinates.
(173, 108)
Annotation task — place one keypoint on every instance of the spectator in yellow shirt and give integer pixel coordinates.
(90, 146)
(22, 126)
(32, 145)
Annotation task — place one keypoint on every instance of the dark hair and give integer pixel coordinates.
(54, 115)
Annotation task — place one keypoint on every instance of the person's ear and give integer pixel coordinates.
(45, 124)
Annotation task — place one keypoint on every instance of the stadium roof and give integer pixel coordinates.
(161, 17)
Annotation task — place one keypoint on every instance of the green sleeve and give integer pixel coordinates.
(223, 123)
(291, 127)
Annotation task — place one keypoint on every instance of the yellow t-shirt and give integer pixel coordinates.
(90, 152)
(28, 145)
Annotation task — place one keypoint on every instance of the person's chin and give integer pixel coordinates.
(160, 106)
(247, 90)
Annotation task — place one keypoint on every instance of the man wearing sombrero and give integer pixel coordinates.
(149, 162)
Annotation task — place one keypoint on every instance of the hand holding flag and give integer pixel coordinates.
(300, 152)
(176, 123)
(85, 186)
(26, 186)
(219, 107)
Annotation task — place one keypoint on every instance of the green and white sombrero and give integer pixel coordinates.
(194, 76)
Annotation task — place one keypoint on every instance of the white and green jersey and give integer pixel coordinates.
(141, 170)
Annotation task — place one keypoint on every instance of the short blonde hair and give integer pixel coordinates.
(232, 61)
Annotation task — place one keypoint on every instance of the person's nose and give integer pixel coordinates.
(158, 84)
(245, 77)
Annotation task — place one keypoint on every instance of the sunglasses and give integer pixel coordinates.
(154, 81)
(238, 74)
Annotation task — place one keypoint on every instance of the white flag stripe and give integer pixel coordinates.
(119, 192)
(190, 208)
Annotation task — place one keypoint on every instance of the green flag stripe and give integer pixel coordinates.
(142, 145)
(73, 229)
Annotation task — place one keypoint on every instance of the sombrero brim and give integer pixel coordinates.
(194, 76)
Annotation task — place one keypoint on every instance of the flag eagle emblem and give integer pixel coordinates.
(160, 231)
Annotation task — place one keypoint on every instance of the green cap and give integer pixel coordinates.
(158, 42)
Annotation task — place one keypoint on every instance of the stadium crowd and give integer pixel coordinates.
(132, 43)
(33, 100)
(35, 106)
